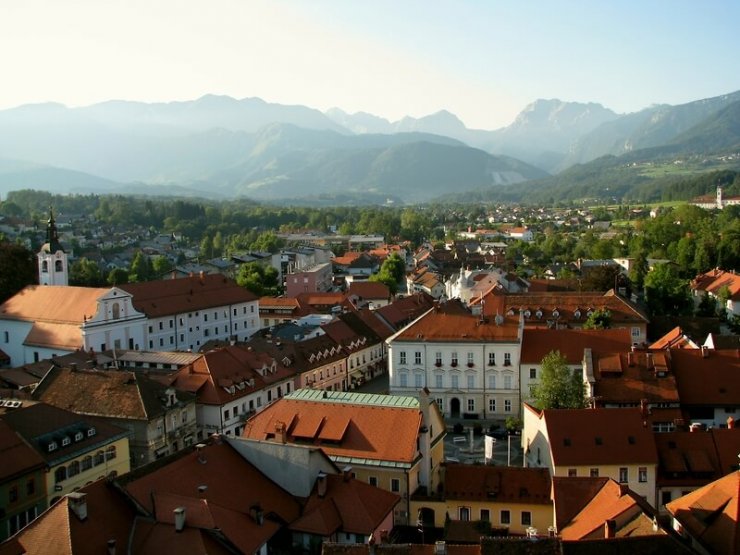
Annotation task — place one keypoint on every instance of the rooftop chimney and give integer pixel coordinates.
(202, 490)
(610, 528)
(200, 448)
(649, 361)
(281, 434)
(347, 473)
(111, 547)
(179, 519)
(321, 484)
(704, 351)
(440, 548)
(730, 423)
(256, 512)
(73, 367)
(78, 504)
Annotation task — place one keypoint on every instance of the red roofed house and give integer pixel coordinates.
(717, 283)
(612, 443)
(599, 508)
(231, 384)
(469, 363)
(509, 498)
(537, 343)
(362, 346)
(394, 443)
(710, 516)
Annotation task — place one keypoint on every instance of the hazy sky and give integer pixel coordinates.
(484, 60)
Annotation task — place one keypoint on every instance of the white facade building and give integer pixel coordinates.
(469, 364)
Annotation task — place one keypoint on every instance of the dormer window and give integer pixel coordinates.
(52, 446)
(538, 314)
(79, 436)
(577, 314)
(555, 313)
(91, 432)
(527, 313)
(66, 441)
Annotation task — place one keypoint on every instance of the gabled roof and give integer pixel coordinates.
(348, 505)
(600, 500)
(692, 458)
(572, 307)
(591, 436)
(224, 374)
(344, 430)
(18, 457)
(632, 377)
(54, 304)
(711, 514)
(106, 393)
(176, 296)
(498, 484)
(716, 279)
(233, 485)
(538, 342)
(40, 424)
(707, 376)
(369, 290)
(674, 339)
(59, 531)
(452, 322)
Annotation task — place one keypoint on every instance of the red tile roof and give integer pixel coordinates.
(630, 377)
(714, 280)
(369, 290)
(453, 323)
(503, 484)
(17, 456)
(590, 436)
(711, 514)
(53, 304)
(379, 433)
(59, 531)
(706, 376)
(176, 296)
(537, 343)
(349, 506)
(217, 373)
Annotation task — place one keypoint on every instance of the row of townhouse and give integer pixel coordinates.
(482, 361)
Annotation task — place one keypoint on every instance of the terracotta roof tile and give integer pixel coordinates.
(53, 304)
(374, 432)
(589, 436)
(537, 343)
(451, 324)
(504, 484)
(17, 456)
(176, 296)
(711, 514)
(707, 377)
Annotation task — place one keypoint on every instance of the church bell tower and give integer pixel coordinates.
(53, 263)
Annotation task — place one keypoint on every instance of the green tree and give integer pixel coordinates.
(17, 269)
(267, 242)
(141, 268)
(260, 280)
(161, 265)
(117, 276)
(87, 273)
(667, 292)
(599, 319)
(559, 387)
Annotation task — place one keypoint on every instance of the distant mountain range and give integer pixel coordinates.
(221, 147)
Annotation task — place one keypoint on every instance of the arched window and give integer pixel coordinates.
(110, 453)
(87, 463)
(45, 267)
(58, 266)
(60, 474)
(73, 469)
(99, 458)
(116, 309)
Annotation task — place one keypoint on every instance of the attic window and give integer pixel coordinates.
(79, 436)
(577, 314)
(538, 314)
(91, 432)
(66, 441)
(555, 313)
(566, 441)
(631, 440)
(52, 446)
(527, 313)
(510, 313)
(598, 440)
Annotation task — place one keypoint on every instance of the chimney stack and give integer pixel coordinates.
(202, 490)
(256, 512)
(347, 473)
(649, 361)
(610, 528)
(281, 434)
(78, 504)
(704, 351)
(730, 423)
(200, 448)
(111, 547)
(179, 519)
(73, 367)
(321, 484)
